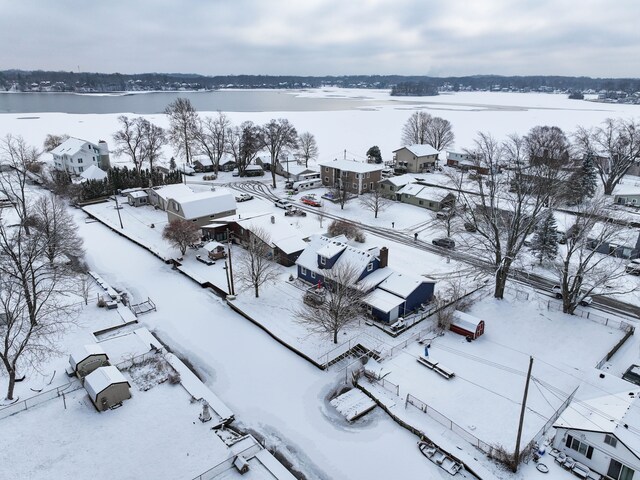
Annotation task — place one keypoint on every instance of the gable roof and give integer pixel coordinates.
(196, 205)
(172, 191)
(84, 352)
(94, 173)
(203, 160)
(281, 234)
(352, 166)
(138, 194)
(420, 150)
(101, 378)
(466, 321)
(400, 180)
(424, 192)
(402, 284)
(71, 146)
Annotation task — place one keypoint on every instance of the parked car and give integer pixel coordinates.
(444, 212)
(243, 197)
(633, 267)
(309, 200)
(557, 291)
(470, 227)
(444, 243)
(281, 203)
(235, 173)
(294, 212)
(187, 169)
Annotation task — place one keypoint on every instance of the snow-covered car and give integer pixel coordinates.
(235, 173)
(187, 169)
(294, 212)
(281, 203)
(557, 291)
(444, 243)
(243, 197)
(633, 267)
(444, 212)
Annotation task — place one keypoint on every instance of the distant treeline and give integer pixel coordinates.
(111, 82)
(420, 89)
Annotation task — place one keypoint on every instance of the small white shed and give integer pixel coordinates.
(107, 387)
(87, 358)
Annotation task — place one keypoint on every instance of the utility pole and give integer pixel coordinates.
(115, 195)
(226, 272)
(232, 289)
(516, 454)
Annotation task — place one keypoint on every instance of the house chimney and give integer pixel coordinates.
(384, 257)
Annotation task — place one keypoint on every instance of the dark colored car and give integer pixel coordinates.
(444, 243)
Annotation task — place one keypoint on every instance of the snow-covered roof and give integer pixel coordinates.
(211, 246)
(466, 321)
(201, 204)
(281, 233)
(383, 300)
(71, 146)
(296, 169)
(101, 378)
(352, 166)
(331, 249)
(400, 180)
(375, 278)
(401, 284)
(138, 194)
(629, 186)
(172, 191)
(424, 192)
(203, 160)
(252, 168)
(420, 150)
(226, 159)
(626, 237)
(605, 405)
(94, 173)
(84, 352)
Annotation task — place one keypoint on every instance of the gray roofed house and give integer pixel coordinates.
(203, 207)
(425, 196)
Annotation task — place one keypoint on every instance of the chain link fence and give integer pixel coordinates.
(43, 397)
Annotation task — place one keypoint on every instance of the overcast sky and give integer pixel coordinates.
(598, 38)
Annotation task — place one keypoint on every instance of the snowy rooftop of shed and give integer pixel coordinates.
(84, 352)
(466, 321)
(138, 194)
(101, 378)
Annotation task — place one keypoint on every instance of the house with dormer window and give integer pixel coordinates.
(391, 294)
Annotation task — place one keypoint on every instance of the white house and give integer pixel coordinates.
(601, 426)
(75, 155)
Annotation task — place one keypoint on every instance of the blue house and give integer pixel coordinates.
(390, 294)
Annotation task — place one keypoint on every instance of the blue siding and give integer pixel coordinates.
(330, 261)
(307, 276)
(376, 265)
(422, 294)
(380, 315)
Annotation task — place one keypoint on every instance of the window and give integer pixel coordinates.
(370, 267)
(420, 202)
(355, 186)
(619, 471)
(326, 169)
(371, 186)
(368, 174)
(313, 274)
(326, 179)
(610, 440)
(80, 169)
(323, 260)
(578, 446)
(79, 160)
(303, 271)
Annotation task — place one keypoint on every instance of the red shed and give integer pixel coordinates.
(467, 325)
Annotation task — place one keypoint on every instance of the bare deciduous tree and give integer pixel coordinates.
(421, 128)
(62, 243)
(244, 143)
(210, 137)
(307, 147)
(52, 141)
(374, 201)
(181, 233)
(130, 140)
(34, 301)
(183, 122)
(342, 304)
(256, 265)
(348, 229)
(581, 268)
(153, 139)
(615, 147)
(507, 205)
(278, 135)
(13, 183)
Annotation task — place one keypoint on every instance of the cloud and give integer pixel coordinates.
(324, 37)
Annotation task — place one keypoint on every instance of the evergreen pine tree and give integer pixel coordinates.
(589, 178)
(545, 238)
